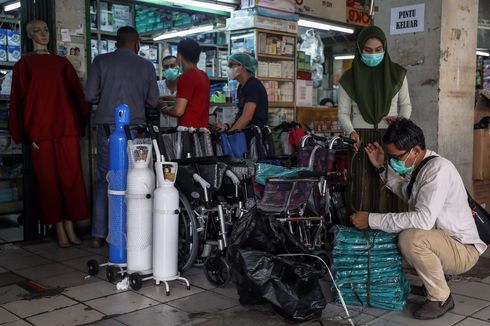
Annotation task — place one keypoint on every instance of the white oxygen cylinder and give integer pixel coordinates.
(165, 222)
(139, 202)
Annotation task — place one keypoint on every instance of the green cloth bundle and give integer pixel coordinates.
(354, 251)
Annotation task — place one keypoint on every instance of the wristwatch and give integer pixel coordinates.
(381, 169)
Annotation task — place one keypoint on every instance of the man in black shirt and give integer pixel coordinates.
(253, 105)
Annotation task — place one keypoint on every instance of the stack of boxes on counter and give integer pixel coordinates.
(9, 45)
(304, 85)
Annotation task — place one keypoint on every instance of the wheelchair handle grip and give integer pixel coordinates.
(233, 177)
(204, 184)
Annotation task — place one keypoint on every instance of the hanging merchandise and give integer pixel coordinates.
(312, 45)
(368, 269)
(139, 201)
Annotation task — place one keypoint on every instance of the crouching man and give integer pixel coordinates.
(438, 233)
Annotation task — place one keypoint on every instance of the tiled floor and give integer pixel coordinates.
(73, 298)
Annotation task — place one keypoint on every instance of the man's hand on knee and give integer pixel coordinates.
(360, 220)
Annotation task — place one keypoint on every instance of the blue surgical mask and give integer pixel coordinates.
(171, 74)
(372, 60)
(400, 167)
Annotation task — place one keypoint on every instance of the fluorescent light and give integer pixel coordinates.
(12, 6)
(202, 29)
(237, 37)
(326, 27)
(483, 54)
(344, 57)
(201, 4)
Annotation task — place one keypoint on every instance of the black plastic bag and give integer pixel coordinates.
(482, 219)
(290, 284)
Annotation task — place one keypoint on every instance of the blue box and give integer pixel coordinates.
(13, 53)
(13, 37)
(3, 36)
(3, 53)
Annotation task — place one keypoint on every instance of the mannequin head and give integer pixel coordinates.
(37, 31)
(128, 38)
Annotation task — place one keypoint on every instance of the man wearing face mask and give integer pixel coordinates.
(253, 104)
(168, 89)
(120, 77)
(438, 232)
(192, 99)
(371, 94)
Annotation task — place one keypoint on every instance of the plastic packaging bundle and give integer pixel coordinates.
(368, 268)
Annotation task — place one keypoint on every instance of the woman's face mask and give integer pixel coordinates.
(373, 52)
(399, 166)
(372, 60)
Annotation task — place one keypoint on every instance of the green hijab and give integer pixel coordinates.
(373, 88)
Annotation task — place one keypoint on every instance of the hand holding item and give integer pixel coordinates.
(360, 220)
(34, 145)
(390, 119)
(376, 154)
(357, 140)
(221, 127)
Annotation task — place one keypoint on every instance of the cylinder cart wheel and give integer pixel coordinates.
(217, 270)
(135, 281)
(92, 267)
(110, 273)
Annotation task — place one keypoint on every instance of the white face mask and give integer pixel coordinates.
(232, 73)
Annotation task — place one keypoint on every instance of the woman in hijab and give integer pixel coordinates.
(373, 93)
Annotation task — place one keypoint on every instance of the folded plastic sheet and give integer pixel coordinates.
(368, 269)
(264, 171)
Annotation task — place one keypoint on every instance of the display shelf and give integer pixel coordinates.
(272, 32)
(274, 56)
(7, 63)
(276, 79)
(9, 21)
(103, 33)
(11, 207)
(281, 105)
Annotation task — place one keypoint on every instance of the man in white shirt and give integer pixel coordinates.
(438, 233)
(167, 89)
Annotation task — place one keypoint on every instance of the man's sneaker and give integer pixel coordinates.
(434, 309)
(419, 290)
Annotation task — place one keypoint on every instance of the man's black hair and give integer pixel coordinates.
(189, 50)
(127, 35)
(404, 134)
(169, 57)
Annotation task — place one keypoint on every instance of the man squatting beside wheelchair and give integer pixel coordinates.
(438, 234)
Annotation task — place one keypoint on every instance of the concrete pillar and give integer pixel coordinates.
(441, 65)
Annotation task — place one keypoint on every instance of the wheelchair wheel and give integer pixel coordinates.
(217, 271)
(188, 236)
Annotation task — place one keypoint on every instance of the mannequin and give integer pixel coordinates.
(48, 110)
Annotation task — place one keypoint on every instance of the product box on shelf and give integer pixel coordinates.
(304, 93)
(3, 53)
(13, 37)
(111, 46)
(13, 53)
(326, 9)
(263, 69)
(275, 70)
(3, 36)
(281, 5)
(268, 23)
(121, 15)
(287, 69)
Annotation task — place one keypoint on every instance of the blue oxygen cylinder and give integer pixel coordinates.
(118, 171)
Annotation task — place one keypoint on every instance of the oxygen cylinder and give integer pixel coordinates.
(118, 170)
(139, 201)
(165, 222)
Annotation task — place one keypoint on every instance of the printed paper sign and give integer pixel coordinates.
(408, 19)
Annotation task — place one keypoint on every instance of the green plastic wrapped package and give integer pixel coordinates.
(264, 171)
(368, 269)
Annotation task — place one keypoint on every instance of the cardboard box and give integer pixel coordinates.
(13, 37)
(288, 6)
(481, 154)
(304, 93)
(13, 53)
(3, 36)
(268, 23)
(326, 9)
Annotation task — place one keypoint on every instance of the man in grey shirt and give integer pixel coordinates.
(120, 77)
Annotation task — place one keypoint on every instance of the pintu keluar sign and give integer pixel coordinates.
(407, 19)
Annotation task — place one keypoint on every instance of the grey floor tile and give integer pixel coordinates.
(486, 280)
(11, 293)
(107, 322)
(10, 250)
(19, 322)
(204, 302)
(22, 262)
(3, 270)
(467, 306)
(42, 247)
(157, 315)
(121, 303)
(483, 314)
(472, 322)
(68, 279)
(91, 291)
(75, 315)
(6, 317)
(193, 271)
(80, 264)
(486, 253)
(200, 281)
(10, 278)
(62, 254)
(406, 318)
(26, 308)
(44, 271)
(177, 291)
(228, 291)
(335, 313)
(471, 289)
(103, 251)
